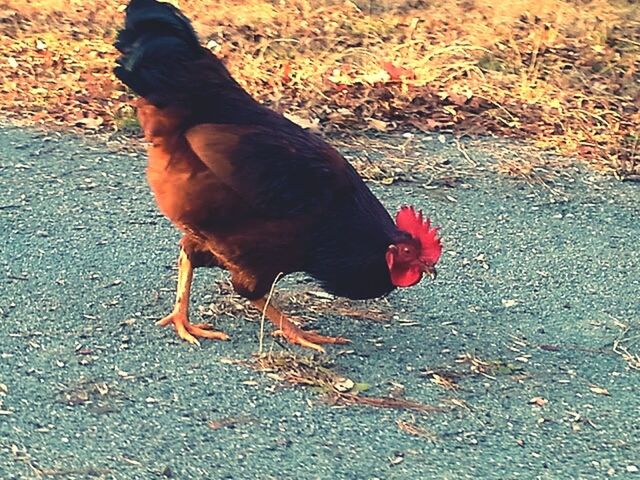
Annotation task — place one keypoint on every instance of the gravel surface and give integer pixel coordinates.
(535, 287)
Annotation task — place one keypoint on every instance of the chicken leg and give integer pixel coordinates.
(180, 315)
(293, 333)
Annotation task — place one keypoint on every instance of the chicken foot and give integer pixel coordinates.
(180, 315)
(293, 333)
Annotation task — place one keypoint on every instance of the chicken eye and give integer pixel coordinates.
(406, 250)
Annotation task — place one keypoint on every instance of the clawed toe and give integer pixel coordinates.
(308, 339)
(191, 332)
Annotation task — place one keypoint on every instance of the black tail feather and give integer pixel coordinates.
(153, 17)
(162, 60)
(157, 43)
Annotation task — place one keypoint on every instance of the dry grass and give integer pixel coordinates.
(316, 372)
(627, 343)
(301, 303)
(564, 73)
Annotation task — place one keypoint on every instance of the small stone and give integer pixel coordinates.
(167, 472)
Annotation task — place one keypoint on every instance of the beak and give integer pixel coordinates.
(430, 270)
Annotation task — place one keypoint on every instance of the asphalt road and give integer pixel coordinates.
(536, 285)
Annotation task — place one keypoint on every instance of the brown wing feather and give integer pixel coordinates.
(278, 173)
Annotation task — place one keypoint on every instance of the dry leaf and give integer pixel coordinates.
(304, 122)
(285, 76)
(444, 382)
(412, 429)
(344, 385)
(398, 73)
(376, 77)
(91, 123)
(539, 401)
(598, 390)
(378, 125)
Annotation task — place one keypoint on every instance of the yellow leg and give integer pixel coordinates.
(291, 332)
(180, 315)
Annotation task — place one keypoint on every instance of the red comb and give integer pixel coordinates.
(412, 222)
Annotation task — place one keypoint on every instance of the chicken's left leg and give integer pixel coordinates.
(180, 315)
(293, 333)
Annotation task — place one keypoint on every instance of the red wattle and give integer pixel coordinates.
(405, 277)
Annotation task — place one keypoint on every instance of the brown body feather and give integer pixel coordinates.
(195, 191)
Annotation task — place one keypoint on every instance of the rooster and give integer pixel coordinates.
(252, 192)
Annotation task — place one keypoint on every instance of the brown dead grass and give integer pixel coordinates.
(627, 343)
(316, 372)
(301, 303)
(564, 73)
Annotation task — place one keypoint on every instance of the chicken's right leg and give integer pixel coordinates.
(293, 333)
(180, 315)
